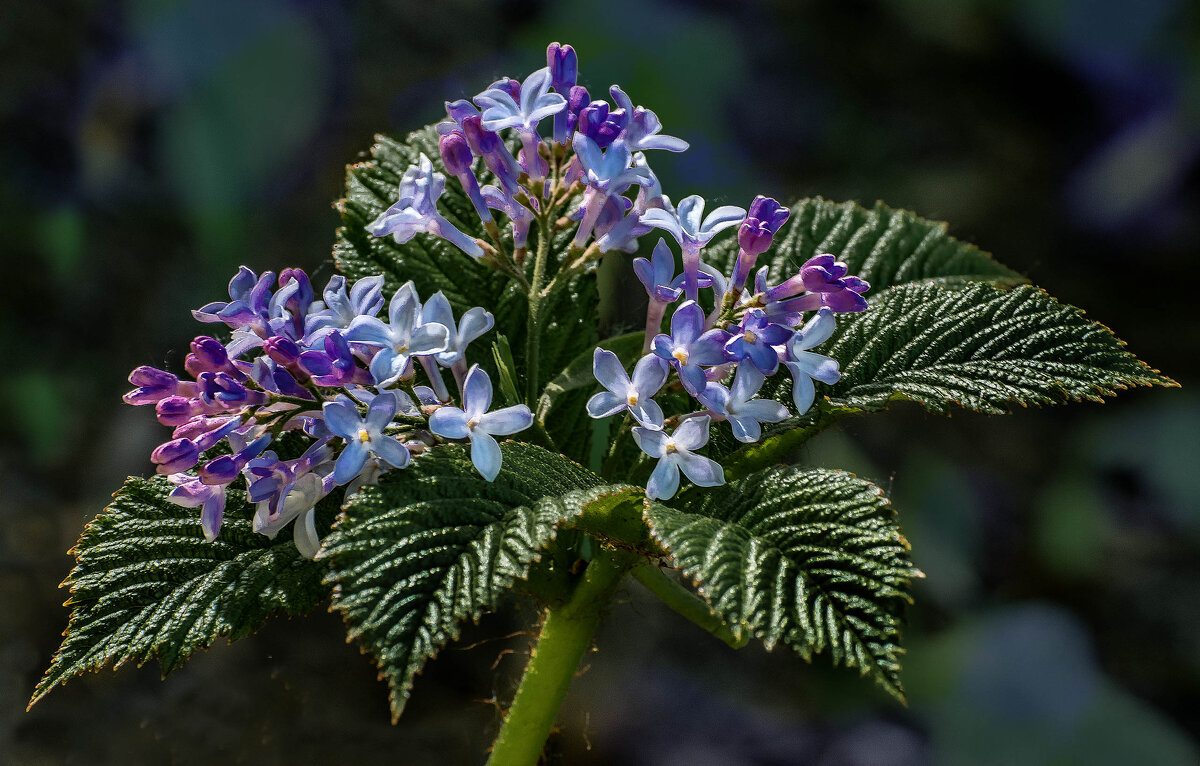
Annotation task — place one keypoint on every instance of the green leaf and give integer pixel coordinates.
(148, 585)
(982, 348)
(506, 368)
(578, 374)
(435, 544)
(812, 559)
(886, 247)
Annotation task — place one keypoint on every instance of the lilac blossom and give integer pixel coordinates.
(340, 308)
(676, 453)
(457, 159)
(336, 365)
(249, 298)
(473, 323)
(643, 128)
(364, 435)
(399, 340)
(475, 423)
(286, 490)
(564, 73)
(502, 110)
(607, 173)
(602, 124)
(657, 275)
(415, 212)
(693, 231)
(190, 492)
(628, 393)
(826, 284)
(755, 236)
(458, 111)
(689, 346)
(521, 216)
(154, 385)
(807, 366)
(488, 145)
(755, 341)
(738, 405)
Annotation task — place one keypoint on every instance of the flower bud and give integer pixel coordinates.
(564, 66)
(175, 456)
(456, 153)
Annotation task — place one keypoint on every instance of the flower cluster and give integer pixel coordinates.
(589, 164)
(331, 370)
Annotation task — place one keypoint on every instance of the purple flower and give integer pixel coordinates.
(658, 273)
(175, 456)
(756, 340)
(625, 393)
(190, 492)
(472, 324)
(336, 365)
(824, 280)
(740, 408)
(224, 469)
(404, 337)
(807, 366)
(458, 112)
(154, 385)
(364, 435)
(608, 171)
(365, 298)
(755, 235)
(675, 453)
(693, 231)
(689, 346)
(643, 128)
(495, 154)
(521, 216)
(475, 423)
(249, 299)
(457, 158)
(564, 72)
(603, 126)
(290, 489)
(415, 212)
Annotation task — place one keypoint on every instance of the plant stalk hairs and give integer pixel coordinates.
(442, 427)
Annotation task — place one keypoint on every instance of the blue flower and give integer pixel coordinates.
(521, 216)
(364, 435)
(693, 231)
(756, 341)
(501, 110)
(675, 453)
(415, 212)
(339, 309)
(475, 423)
(625, 393)
(689, 346)
(290, 489)
(608, 171)
(473, 323)
(738, 405)
(642, 131)
(190, 492)
(404, 337)
(807, 366)
(658, 273)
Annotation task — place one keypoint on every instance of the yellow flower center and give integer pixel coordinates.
(401, 348)
(363, 436)
(670, 447)
(750, 337)
(472, 423)
(681, 355)
(632, 399)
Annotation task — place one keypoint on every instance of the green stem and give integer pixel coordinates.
(566, 635)
(533, 335)
(688, 604)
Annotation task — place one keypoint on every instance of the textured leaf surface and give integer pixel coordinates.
(982, 348)
(886, 247)
(434, 545)
(148, 585)
(813, 559)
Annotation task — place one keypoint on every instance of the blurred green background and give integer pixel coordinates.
(149, 147)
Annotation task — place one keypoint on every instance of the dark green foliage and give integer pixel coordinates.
(886, 247)
(982, 348)
(148, 585)
(813, 559)
(435, 544)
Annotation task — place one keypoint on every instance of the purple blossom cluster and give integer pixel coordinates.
(590, 164)
(331, 370)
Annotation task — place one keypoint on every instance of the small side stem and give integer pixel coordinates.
(687, 604)
(566, 635)
(533, 332)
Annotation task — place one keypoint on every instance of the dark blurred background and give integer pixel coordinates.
(149, 147)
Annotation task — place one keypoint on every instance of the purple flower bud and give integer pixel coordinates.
(152, 384)
(481, 140)
(564, 66)
(225, 469)
(223, 390)
(602, 125)
(283, 350)
(287, 384)
(200, 425)
(175, 456)
(210, 355)
(176, 410)
(456, 153)
(754, 236)
(577, 99)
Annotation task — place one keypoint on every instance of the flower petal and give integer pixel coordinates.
(342, 419)
(304, 534)
(648, 414)
(391, 451)
(351, 461)
(702, 471)
(485, 454)
(649, 375)
(652, 442)
(664, 481)
(477, 392)
(508, 420)
(604, 404)
(380, 412)
(450, 422)
(607, 369)
(692, 433)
